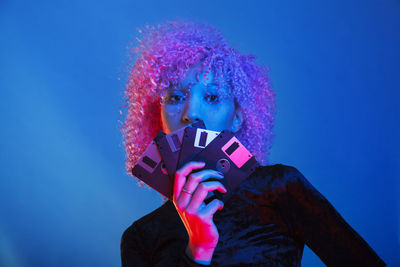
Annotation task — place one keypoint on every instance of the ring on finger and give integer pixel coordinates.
(187, 191)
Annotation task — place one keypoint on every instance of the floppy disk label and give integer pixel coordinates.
(151, 170)
(236, 152)
(175, 140)
(170, 145)
(150, 159)
(204, 137)
(227, 155)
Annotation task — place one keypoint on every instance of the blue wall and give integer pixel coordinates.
(64, 196)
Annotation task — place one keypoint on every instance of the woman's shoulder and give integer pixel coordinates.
(278, 175)
(153, 228)
(278, 169)
(284, 184)
(274, 182)
(162, 215)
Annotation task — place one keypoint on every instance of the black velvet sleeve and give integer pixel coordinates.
(313, 220)
(141, 251)
(132, 251)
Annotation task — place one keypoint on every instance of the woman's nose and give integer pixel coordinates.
(191, 111)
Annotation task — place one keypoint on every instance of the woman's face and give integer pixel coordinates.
(196, 98)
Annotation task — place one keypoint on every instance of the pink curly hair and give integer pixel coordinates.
(164, 55)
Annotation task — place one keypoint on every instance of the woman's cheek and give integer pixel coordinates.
(226, 119)
(170, 111)
(217, 121)
(171, 116)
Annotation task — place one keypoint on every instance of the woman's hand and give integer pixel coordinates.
(190, 190)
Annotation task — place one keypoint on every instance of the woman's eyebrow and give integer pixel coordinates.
(215, 86)
(178, 87)
(212, 84)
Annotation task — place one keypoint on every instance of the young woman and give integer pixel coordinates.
(184, 72)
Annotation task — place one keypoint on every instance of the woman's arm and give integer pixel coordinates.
(190, 191)
(133, 252)
(315, 221)
(136, 253)
(143, 245)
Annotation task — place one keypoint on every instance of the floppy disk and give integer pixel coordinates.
(151, 170)
(227, 155)
(169, 147)
(194, 141)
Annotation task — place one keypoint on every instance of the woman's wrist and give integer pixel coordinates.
(199, 254)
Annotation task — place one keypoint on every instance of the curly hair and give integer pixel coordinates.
(164, 54)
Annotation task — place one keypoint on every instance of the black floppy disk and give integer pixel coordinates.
(151, 170)
(227, 155)
(169, 146)
(194, 141)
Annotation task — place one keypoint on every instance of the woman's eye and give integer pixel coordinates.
(212, 98)
(175, 99)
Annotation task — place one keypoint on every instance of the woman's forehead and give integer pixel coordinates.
(196, 75)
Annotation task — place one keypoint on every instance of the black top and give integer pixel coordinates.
(266, 222)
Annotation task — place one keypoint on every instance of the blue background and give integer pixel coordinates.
(65, 198)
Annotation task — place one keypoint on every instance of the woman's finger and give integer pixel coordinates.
(180, 176)
(212, 207)
(201, 193)
(195, 178)
(192, 183)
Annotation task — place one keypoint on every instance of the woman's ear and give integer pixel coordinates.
(238, 119)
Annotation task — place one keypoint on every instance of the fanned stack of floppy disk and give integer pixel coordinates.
(221, 151)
